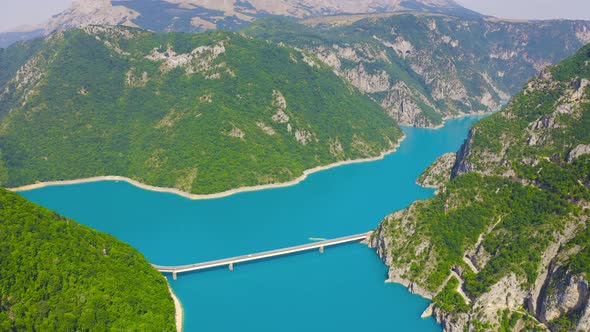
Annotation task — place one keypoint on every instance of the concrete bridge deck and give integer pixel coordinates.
(262, 255)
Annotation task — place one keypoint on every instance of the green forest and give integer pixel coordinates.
(55, 276)
(201, 113)
(515, 195)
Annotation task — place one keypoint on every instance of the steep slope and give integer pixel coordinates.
(202, 15)
(505, 244)
(200, 113)
(423, 68)
(56, 276)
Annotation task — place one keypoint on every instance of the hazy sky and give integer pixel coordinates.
(21, 12)
(531, 9)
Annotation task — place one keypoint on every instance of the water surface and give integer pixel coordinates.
(342, 289)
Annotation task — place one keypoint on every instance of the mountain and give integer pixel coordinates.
(505, 245)
(57, 275)
(202, 113)
(421, 67)
(202, 15)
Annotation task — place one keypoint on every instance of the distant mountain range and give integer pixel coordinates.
(424, 67)
(202, 15)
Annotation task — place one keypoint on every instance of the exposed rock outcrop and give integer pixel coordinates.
(578, 151)
(439, 172)
(564, 294)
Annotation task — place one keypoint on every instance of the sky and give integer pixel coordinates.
(531, 9)
(24, 12)
(15, 13)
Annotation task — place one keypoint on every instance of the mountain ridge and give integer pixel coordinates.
(203, 15)
(423, 68)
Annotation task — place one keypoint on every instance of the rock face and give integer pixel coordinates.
(83, 13)
(565, 294)
(578, 151)
(425, 68)
(439, 172)
(522, 264)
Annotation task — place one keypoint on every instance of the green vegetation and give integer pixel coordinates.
(524, 215)
(449, 299)
(55, 276)
(564, 324)
(515, 192)
(447, 63)
(122, 101)
(580, 263)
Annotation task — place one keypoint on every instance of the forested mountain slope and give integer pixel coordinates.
(425, 67)
(57, 275)
(505, 245)
(201, 113)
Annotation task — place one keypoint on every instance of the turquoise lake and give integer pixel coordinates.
(342, 289)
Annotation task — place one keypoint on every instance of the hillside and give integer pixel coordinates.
(203, 15)
(422, 68)
(201, 113)
(55, 276)
(505, 245)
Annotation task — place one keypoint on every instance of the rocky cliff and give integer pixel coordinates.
(423, 68)
(505, 245)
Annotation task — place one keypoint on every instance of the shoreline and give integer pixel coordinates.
(222, 194)
(179, 316)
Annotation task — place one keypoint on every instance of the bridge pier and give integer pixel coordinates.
(231, 266)
(174, 275)
(321, 249)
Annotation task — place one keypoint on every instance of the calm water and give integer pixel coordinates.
(342, 289)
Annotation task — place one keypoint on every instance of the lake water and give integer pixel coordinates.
(342, 289)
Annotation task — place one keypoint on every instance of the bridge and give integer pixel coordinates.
(262, 255)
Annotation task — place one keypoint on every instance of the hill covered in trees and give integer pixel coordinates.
(504, 246)
(200, 113)
(58, 275)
